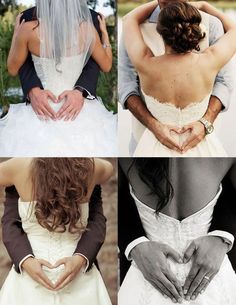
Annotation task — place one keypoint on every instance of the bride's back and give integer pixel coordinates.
(179, 79)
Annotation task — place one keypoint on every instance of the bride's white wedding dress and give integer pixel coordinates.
(93, 133)
(169, 114)
(136, 290)
(85, 289)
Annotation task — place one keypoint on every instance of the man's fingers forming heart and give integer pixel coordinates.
(186, 128)
(176, 129)
(170, 252)
(189, 252)
(45, 263)
(41, 276)
(60, 262)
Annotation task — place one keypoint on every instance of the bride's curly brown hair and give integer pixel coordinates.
(59, 186)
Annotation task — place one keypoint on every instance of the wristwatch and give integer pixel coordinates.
(209, 128)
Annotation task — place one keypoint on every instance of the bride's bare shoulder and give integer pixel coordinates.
(103, 170)
(11, 168)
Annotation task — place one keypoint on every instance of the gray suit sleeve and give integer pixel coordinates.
(128, 83)
(224, 82)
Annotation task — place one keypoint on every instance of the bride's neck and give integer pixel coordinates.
(170, 51)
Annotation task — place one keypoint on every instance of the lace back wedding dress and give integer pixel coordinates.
(169, 114)
(86, 288)
(92, 133)
(136, 290)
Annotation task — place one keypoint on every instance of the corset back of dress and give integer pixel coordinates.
(58, 77)
(50, 246)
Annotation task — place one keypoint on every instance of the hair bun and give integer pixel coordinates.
(179, 25)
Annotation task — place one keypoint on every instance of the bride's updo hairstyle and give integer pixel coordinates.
(59, 186)
(154, 172)
(179, 25)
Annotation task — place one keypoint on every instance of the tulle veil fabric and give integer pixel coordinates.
(65, 29)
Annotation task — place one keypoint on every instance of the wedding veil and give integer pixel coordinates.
(65, 29)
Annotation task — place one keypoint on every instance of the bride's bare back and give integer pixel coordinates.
(195, 182)
(179, 79)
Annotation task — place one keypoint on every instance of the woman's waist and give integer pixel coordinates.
(175, 233)
(52, 249)
(170, 114)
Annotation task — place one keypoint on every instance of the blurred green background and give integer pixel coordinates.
(10, 91)
(125, 6)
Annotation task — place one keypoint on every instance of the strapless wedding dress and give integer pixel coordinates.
(93, 133)
(85, 289)
(136, 290)
(169, 114)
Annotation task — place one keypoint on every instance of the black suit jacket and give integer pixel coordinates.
(88, 78)
(130, 225)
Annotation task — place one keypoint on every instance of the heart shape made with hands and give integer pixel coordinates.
(52, 272)
(181, 136)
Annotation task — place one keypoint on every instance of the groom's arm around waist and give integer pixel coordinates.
(14, 238)
(128, 83)
(93, 238)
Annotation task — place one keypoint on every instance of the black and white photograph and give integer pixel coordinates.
(176, 231)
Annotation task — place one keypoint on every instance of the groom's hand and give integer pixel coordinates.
(74, 102)
(39, 102)
(197, 134)
(163, 133)
(34, 269)
(151, 259)
(73, 266)
(208, 253)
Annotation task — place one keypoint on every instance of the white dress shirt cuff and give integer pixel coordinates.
(22, 261)
(89, 96)
(87, 262)
(226, 236)
(133, 244)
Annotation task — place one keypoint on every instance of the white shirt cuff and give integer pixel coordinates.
(22, 261)
(133, 244)
(87, 262)
(89, 96)
(226, 236)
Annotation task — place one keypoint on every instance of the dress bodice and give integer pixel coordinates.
(177, 234)
(58, 77)
(167, 229)
(169, 114)
(50, 246)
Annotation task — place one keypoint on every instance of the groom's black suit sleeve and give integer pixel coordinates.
(129, 223)
(18, 245)
(88, 78)
(224, 216)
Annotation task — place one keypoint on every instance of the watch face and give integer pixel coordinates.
(210, 129)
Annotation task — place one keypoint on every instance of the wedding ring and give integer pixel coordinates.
(207, 278)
